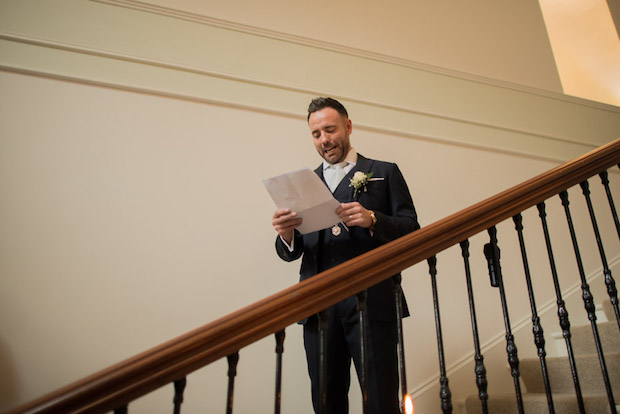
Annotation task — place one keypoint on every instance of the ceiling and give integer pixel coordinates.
(586, 47)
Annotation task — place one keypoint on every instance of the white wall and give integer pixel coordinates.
(132, 149)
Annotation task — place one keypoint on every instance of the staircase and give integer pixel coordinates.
(118, 386)
(588, 369)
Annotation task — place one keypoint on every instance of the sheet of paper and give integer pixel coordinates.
(304, 192)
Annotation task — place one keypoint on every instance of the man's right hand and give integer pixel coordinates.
(285, 222)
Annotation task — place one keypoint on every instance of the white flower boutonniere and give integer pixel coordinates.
(361, 180)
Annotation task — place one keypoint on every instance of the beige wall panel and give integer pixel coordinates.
(198, 60)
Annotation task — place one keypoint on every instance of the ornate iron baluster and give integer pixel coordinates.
(537, 330)
(588, 300)
(280, 335)
(233, 359)
(444, 391)
(562, 311)
(492, 254)
(361, 309)
(398, 297)
(480, 370)
(179, 389)
(605, 180)
(323, 322)
(609, 280)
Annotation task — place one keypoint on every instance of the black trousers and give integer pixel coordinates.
(343, 344)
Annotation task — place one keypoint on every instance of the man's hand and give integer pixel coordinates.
(354, 214)
(285, 222)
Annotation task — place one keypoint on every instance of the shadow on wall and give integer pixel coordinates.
(8, 379)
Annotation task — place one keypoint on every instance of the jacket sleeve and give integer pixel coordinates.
(401, 217)
(284, 252)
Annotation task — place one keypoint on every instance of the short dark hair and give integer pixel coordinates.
(321, 103)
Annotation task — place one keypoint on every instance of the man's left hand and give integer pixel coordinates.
(354, 214)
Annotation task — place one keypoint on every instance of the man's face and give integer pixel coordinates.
(330, 132)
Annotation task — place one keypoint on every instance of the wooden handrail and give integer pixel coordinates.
(137, 376)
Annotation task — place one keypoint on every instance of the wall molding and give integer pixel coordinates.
(334, 47)
(558, 149)
(230, 68)
(254, 81)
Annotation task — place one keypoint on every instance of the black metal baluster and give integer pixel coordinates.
(562, 311)
(323, 323)
(537, 330)
(480, 370)
(609, 280)
(444, 390)
(398, 298)
(605, 180)
(179, 389)
(233, 359)
(280, 335)
(492, 254)
(361, 309)
(121, 410)
(588, 301)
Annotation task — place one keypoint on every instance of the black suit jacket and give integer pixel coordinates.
(391, 201)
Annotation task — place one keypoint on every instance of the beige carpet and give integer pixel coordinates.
(562, 386)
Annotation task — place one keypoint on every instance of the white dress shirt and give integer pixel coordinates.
(329, 170)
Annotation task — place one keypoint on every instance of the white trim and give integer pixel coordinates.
(333, 47)
(474, 134)
(245, 79)
(280, 85)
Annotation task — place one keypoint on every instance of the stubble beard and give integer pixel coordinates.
(343, 153)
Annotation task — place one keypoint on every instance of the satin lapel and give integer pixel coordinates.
(363, 164)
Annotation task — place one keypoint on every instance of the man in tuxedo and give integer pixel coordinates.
(375, 212)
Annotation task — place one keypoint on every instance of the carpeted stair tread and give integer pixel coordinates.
(582, 338)
(588, 370)
(562, 386)
(537, 403)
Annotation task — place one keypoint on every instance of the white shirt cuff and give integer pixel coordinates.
(292, 246)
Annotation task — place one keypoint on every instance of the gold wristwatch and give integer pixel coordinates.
(374, 220)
